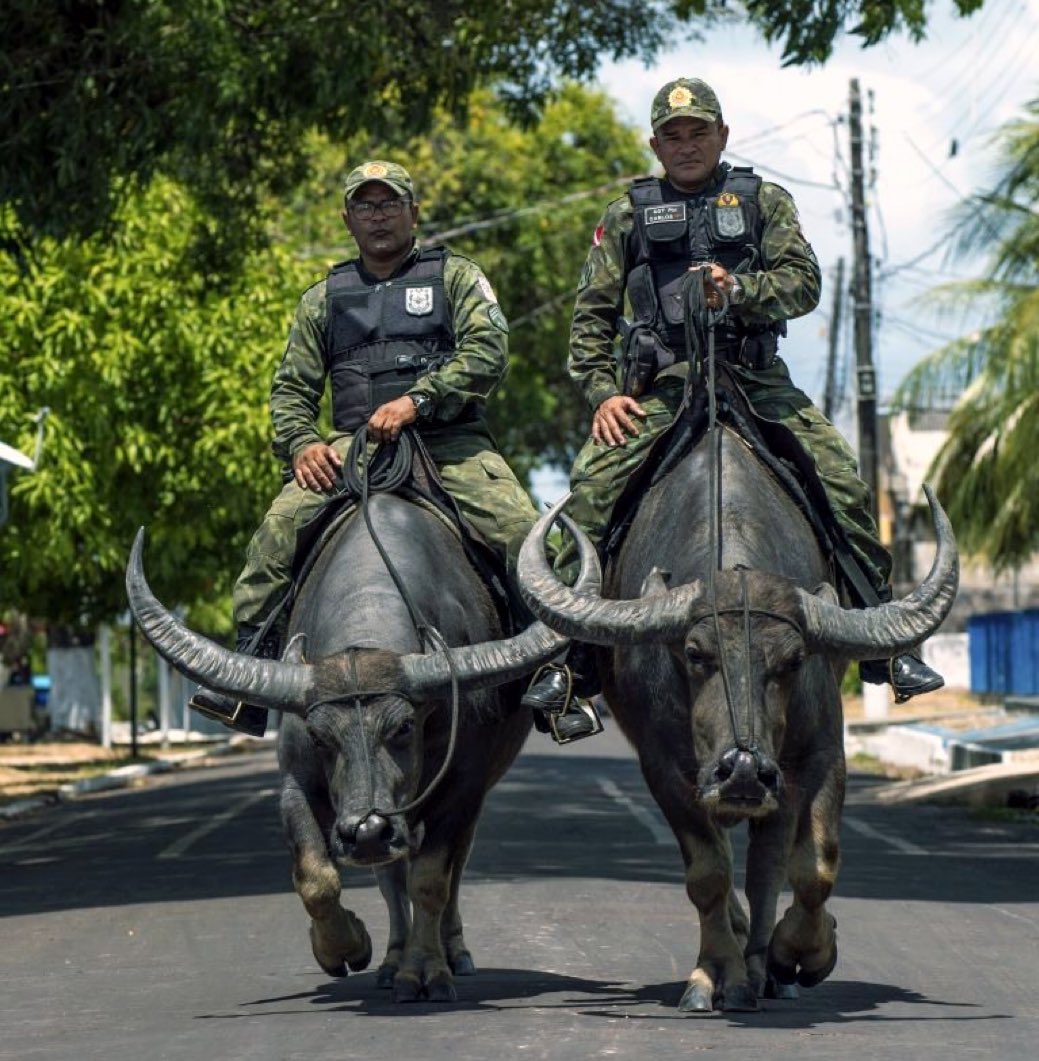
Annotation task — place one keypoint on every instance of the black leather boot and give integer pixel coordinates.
(236, 714)
(560, 697)
(907, 675)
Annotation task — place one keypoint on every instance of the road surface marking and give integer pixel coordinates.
(897, 843)
(658, 829)
(175, 850)
(30, 840)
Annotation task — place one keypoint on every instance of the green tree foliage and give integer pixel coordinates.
(809, 28)
(96, 96)
(156, 378)
(220, 93)
(157, 373)
(986, 473)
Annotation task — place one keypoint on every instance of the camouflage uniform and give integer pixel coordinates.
(787, 287)
(473, 471)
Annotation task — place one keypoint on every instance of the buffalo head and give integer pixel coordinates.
(740, 643)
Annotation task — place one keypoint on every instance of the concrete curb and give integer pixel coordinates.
(982, 786)
(124, 776)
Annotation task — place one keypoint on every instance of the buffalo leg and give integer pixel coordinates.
(424, 971)
(393, 883)
(459, 958)
(338, 937)
(720, 976)
(804, 944)
(767, 856)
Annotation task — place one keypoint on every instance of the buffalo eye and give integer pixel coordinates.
(402, 735)
(699, 664)
(792, 664)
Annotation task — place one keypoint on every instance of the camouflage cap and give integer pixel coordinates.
(389, 173)
(685, 97)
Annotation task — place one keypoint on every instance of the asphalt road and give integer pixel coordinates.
(161, 923)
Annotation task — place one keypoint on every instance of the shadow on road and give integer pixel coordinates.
(833, 1003)
(216, 835)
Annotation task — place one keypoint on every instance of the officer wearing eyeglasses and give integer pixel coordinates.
(404, 334)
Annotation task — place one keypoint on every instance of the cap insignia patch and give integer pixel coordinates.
(679, 96)
(375, 169)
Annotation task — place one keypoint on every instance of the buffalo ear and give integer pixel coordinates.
(296, 650)
(658, 581)
(824, 591)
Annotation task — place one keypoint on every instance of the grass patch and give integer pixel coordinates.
(870, 764)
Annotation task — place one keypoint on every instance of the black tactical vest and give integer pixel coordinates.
(381, 336)
(675, 230)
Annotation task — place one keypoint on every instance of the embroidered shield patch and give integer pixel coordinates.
(418, 301)
(729, 221)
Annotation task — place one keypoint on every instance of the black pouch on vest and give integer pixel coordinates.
(759, 351)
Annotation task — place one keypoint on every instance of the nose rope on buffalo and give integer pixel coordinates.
(700, 321)
(362, 475)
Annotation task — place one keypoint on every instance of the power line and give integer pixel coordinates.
(784, 176)
(883, 274)
(502, 217)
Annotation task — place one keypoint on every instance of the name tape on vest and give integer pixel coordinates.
(666, 212)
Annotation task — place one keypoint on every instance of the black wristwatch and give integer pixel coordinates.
(423, 405)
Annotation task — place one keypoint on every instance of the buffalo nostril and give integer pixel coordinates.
(347, 829)
(374, 830)
(768, 775)
(726, 764)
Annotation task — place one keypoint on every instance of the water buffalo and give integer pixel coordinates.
(370, 726)
(726, 649)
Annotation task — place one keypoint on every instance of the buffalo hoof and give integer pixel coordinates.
(385, 976)
(783, 975)
(787, 975)
(462, 964)
(696, 1001)
(740, 998)
(407, 989)
(328, 963)
(774, 989)
(440, 989)
(811, 977)
(362, 958)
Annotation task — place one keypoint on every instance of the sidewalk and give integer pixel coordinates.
(53, 771)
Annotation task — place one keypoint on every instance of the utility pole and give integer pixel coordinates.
(866, 377)
(830, 394)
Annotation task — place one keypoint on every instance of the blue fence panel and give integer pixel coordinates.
(1004, 652)
(1024, 653)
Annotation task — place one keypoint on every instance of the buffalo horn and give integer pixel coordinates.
(586, 615)
(888, 629)
(263, 682)
(495, 662)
